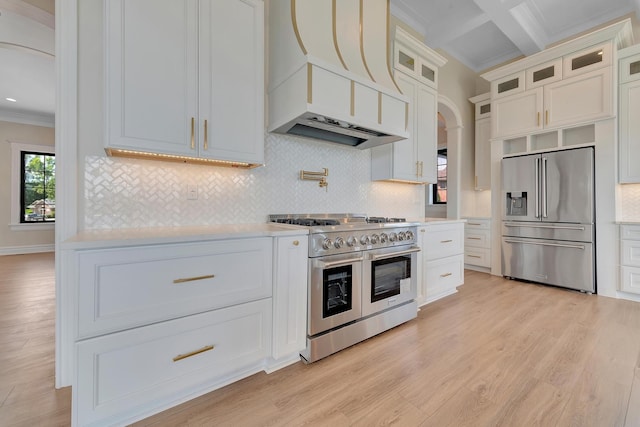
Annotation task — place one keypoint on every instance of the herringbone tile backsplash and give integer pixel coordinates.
(140, 193)
(629, 209)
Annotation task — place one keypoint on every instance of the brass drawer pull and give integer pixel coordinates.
(193, 353)
(474, 223)
(474, 256)
(446, 241)
(206, 137)
(474, 238)
(296, 243)
(193, 279)
(446, 275)
(193, 133)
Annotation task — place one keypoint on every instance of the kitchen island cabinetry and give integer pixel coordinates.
(185, 79)
(163, 320)
(628, 113)
(630, 258)
(442, 259)
(415, 158)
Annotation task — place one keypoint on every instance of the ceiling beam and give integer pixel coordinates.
(519, 26)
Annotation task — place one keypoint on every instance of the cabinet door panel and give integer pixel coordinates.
(151, 75)
(630, 132)
(483, 154)
(404, 156)
(582, 98)
(427, 132)
(232, 80)
(517, 114)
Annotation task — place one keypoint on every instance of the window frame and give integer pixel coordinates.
(434, 186)
(16, 185)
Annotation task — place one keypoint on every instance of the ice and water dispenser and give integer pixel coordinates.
(517, 203)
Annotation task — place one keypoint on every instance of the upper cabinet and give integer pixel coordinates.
(185, 80)
(628, 113)
(570, 84)
(482, 179)
(565, 91)
(416, 74)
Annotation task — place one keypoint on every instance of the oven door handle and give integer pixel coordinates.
(331, 264)
(394, 254)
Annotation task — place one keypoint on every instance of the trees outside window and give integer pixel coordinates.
(38, 187)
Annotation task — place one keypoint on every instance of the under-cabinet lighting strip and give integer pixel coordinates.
(114, 152)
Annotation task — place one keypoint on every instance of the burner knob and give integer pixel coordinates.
(383, 238)
(375, 239)
(326, 244)
(352, 241)
(401, 235)
(338, 243)
(410, 235)
(364, 239)
(393, 237)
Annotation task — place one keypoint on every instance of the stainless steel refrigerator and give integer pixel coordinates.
(548, 218)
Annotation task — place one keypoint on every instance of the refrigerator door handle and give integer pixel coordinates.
(558, 245)
(545, 212)
(553, 227)
(537, 195)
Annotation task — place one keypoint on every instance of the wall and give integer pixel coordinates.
(16, 242)
(134, 193)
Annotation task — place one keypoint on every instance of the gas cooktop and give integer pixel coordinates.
(341, 233)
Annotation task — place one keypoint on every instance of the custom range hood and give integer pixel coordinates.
(329, 72)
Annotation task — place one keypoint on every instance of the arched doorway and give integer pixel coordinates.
(449, 114)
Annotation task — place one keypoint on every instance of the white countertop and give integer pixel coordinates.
(428, 220)
(93, 239)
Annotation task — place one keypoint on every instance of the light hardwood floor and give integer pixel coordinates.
(498, 353)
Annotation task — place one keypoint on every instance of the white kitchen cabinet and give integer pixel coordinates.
(630, 258)
(442, 260)
(158, 324)
(482, 161)
(543, 74)
(142, 370)
(628, 113)
(477, 244)
(508, 85)
(128, 287)
(415, 158)
(186, 78)
(582, 98)
(290, 296)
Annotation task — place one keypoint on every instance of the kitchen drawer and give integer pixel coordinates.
(477, 238)
(477, 224)
(130, 374)
(443, 275)
(630, 279)
(631, 232)
(444, 240)
(630, 251)
(480, 257)
(129, 287)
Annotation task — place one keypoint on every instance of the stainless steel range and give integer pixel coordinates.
(362, 278)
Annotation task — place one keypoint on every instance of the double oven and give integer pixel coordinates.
(361, 280)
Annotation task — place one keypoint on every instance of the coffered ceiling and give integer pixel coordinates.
(485, 33)
(479, 33)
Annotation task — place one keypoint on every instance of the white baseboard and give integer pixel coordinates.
(20, 250)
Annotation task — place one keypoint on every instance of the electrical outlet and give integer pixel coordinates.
(192, 192)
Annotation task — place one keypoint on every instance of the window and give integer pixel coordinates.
(33, 197)
(439, 190)
(37, 187)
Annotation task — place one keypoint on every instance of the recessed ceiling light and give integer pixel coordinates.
(11, 100)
